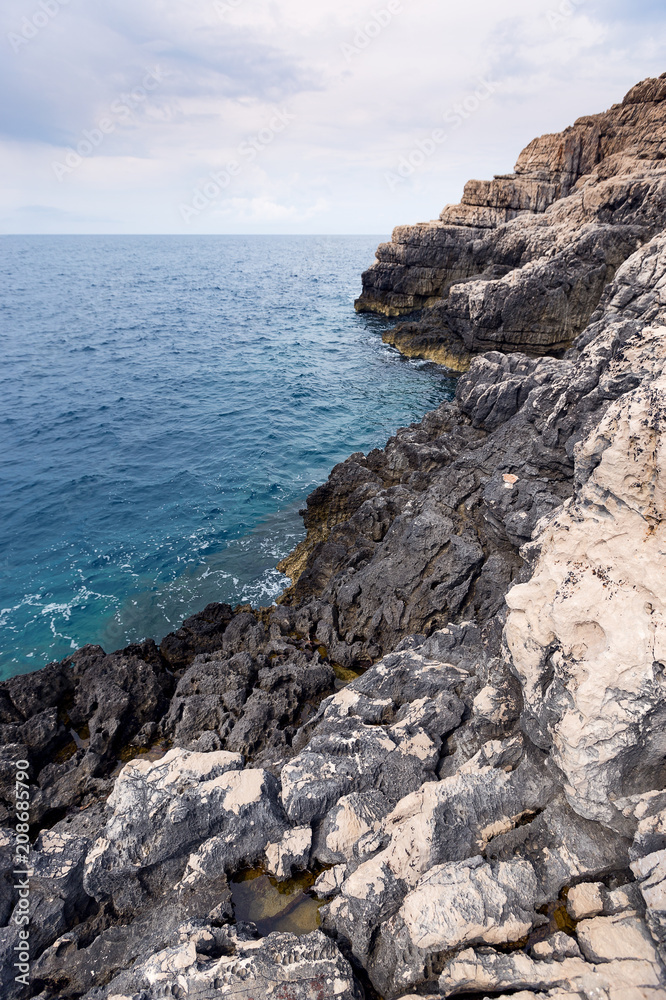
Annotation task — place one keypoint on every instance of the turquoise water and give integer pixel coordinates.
(166, 405)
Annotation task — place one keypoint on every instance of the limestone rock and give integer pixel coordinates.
(556, 947)
(57, 899)
(586, 900)
(443, 822)
(599, 604)
(475, 971)
(352, 828)
(292, 853)
(160, 810)
(651, 872)
(7, 866)
(562, 847)
(330, 881)
(382, 732)
(246, 699)
(605, 939)
(210, 965)
(470, 773)
(453, 905)
(522, 262)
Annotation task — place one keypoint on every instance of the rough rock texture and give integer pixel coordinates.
(77, 720)
(522, 262)
(211, 963)
(159, 811)
(449, 736)
(452, 906)
(591, 620)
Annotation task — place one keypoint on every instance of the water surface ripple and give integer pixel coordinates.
(166, 405)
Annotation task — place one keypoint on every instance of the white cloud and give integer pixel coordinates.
(366, 83)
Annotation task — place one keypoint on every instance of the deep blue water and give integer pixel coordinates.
(166, 405)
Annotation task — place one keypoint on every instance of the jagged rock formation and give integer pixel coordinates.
(451, 731)
(521, 263)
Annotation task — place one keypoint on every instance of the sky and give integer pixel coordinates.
(291, 116)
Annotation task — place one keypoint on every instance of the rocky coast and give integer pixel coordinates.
(437, 767)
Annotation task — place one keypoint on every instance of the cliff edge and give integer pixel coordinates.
(521, 263)
(438, 767)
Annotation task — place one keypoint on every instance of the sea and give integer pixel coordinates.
(166, 405)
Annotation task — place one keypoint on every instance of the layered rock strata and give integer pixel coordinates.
(450, 734)
(521, 263)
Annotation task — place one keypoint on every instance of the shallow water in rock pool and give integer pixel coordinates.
(275, 906)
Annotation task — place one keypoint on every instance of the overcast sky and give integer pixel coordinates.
(291, 116)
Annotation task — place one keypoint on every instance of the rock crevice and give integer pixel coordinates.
(449, 734)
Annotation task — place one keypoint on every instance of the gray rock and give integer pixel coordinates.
(162, 811)
(651, 873)
(497, 573)
(490, 972)
(382, 732)
(448, 821)
(352, 829)
(454, 905)
(290, 854)
(210, 965)
(522, 262)
(56, 899)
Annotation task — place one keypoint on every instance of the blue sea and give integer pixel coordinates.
(166, 405)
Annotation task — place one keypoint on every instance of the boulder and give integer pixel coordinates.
(161, 811)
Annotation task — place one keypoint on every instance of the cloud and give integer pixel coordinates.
(79, 63)
(366, 83)
(265, 211)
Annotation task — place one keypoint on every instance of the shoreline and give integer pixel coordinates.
(449, 734)
(92, 522)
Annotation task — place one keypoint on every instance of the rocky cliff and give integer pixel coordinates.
(438, 767)
(521, 263)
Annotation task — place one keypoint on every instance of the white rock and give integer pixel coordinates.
(493, 972)
(606, 939)
(352, 828)
(586, 900)
(627, 897)
(292, 852)
(556, 947)
(330, 882)
(451, 906)
(469, 901)
(281, 965)
(651, 873)
(161, 810)
(587, 634)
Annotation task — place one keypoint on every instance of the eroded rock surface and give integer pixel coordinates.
(450, 733)
(211, 962)
(522, 262)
